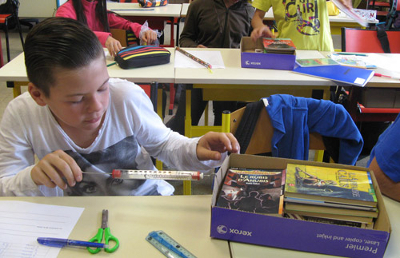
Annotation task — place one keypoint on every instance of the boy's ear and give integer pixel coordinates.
(37, 94)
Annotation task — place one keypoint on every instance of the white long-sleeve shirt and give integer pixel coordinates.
(130, 134)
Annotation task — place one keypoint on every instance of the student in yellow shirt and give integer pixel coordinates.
(305, 22)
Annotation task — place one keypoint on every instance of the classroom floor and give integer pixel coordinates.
(6, 94)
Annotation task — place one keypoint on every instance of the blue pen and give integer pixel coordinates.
(166, 244)
(352, 54)
(61, 242)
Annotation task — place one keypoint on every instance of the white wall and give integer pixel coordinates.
(37, 8)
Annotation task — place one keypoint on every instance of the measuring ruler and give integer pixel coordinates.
(167, 245)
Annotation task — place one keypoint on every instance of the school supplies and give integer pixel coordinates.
(279, 46)
(61, 242)
(167, 245)
(387, 76)
(194, 58)
(340, 74)
(142, 56)
(153, 174)
(315, 62)
(104, 231)
(354, 60)
(152, 3)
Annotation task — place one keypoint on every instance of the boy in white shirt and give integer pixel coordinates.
(75, 118)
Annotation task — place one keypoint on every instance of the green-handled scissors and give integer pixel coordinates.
(104, 231)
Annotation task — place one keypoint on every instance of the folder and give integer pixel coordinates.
(341, 75)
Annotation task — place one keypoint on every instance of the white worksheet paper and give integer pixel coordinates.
(212, 57)
(21, 223)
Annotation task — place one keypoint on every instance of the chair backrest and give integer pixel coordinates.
(260, 141)
(366, 41)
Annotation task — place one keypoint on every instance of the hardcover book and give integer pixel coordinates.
(319, 210)
(256, 191)
(349, 223)
(279, 46)
(330, 184)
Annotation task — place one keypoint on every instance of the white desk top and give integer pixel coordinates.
(134, 9)
(184, 218)
(234, 74)
(185, 7)
(15, 71)
(240, 250)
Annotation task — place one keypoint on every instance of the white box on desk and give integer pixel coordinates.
(294, 234)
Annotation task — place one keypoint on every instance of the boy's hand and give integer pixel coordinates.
(263, 31)
(212, 144)
(347, 3)
(113, 45)
(149, 36)
(55, 166)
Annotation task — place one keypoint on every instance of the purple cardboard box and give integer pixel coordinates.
(293, 234)
(251, 59)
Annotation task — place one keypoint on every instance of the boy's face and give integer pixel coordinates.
(80, 97)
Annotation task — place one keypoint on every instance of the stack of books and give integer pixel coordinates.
(253, 190)
(279, 46)
(330, 195)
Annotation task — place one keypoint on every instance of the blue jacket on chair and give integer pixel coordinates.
(293, 118)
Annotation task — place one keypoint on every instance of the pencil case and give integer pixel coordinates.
(152, 3)
(141, 56)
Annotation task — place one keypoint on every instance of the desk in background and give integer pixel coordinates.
(14, 73)
(135, 13)
(131, 218)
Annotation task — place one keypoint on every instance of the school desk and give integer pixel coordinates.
(241, 250)
(184, 218)
(14, 73)
(154, 15)
(235, 83)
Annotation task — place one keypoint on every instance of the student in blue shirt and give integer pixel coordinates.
(385, 161)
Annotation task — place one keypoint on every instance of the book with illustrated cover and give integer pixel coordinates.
(253, 190)
(279, 46)
(315, 62)
(353, 60)
(335, 185)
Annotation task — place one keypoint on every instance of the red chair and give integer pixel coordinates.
(4, 20)
(366, 41)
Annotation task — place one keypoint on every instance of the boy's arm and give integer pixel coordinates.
(259, 29)
(16, 158)
(387, 186)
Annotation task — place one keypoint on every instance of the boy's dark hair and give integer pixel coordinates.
(58, 43)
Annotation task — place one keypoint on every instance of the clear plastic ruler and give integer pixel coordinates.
(167, 245)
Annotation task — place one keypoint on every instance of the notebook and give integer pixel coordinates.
(341, 75)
